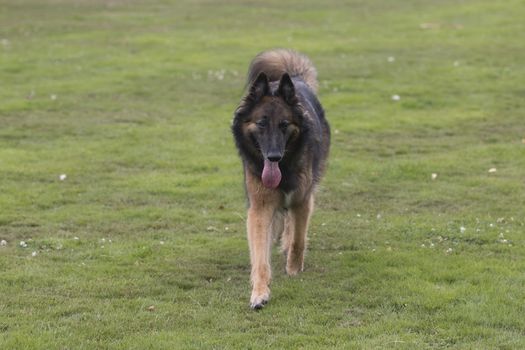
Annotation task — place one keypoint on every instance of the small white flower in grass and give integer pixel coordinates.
(502, 238)
(423, 245)
(161, 242)
(448, 251)
(34, 253)
(462, 229)
(76, 238)
(378, 216)
(391, 59)
(432, 245)
(492, 170)
(396, 97)
(23, 244)
(53, 97)
(434, 176)
(3, 242)
(456, 63)
(62, 177)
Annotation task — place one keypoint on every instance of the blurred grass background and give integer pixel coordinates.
(143, 244)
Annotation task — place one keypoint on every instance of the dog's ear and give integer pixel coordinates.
(259, 88)
(287, 90)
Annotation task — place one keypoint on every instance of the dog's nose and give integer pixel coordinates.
(274, 157)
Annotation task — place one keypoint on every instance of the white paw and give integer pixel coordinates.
(258, 301)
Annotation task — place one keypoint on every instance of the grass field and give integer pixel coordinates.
(142, 244)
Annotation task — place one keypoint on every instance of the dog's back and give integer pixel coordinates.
(274, 63)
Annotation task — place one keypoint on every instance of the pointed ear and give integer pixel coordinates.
(287, 90)
(259, 88)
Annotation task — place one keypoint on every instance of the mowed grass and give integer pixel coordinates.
(142, 245)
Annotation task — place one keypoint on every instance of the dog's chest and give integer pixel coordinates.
(288, 199)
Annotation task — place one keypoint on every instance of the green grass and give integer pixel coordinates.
(133, 101)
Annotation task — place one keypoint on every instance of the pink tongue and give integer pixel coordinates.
(271, 175)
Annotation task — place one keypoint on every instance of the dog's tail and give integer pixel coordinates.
(274, 63)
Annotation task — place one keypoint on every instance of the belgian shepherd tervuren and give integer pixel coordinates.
(283, 139)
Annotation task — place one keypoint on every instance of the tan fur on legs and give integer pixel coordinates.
(278, 225)
(287, 234)
(260, 242)
(296, 235)
(263, 206)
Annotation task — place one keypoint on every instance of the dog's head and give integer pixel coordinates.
(268, 124)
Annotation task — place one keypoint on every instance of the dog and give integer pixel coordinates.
(283, 140)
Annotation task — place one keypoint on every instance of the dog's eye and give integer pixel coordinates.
(262, 123)
(284, 124)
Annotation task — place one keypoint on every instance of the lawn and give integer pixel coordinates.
(122, 208)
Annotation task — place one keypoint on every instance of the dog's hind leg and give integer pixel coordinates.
(286, 236)
(278, 223)
(297, 228)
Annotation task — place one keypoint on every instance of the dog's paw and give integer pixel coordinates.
(258, 305)
(259, 300)
(293, 268)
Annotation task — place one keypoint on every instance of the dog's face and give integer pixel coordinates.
(270, 121)
(268, 128)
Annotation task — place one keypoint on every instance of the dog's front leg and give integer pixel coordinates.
(263, 205)
(260, 239)
(296, 235)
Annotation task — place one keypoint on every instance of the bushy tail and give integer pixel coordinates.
(274, 63)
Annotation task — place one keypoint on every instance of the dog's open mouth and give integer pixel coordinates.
(271, 175)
